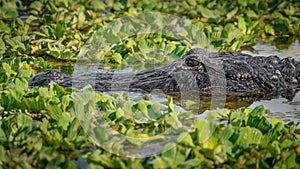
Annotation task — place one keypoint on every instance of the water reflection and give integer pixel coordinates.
(282, 49)
(281, 108)
(274, 104)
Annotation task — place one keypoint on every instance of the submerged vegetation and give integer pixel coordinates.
(54, 127)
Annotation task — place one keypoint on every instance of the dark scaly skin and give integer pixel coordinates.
(232, 72)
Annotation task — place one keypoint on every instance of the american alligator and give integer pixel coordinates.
(232, 73)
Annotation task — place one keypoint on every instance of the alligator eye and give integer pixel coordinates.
(192, 62)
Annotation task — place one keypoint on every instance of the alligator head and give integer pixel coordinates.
(195, 71)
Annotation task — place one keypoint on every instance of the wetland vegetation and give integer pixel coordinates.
(54, 127)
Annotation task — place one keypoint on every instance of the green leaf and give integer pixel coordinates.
(44, 92)
(6, 128)
(260, 123)
(53, 101)
(227, 133)
(232, 13)
(23, 120)
(169, 150)
(35, 104)
(249, 135)
(186, 139)
(73, 129)
(2, 133)
(242, 24)
(269, 29)
(97, 4)
(8, 13)
(258, 111)
(4, 28)
(207, 13)
(15, 43)
(275, 121)
(111, 37)
(192, 2)
(65, 101)
(100, 134)
(191, 163)
(67, 55)
(60, 29)
(33, 20)
(2, 46)
(5, 72)
(58, 160)
(170, 104)
(242, 2)
(81, 19)
(3, 154)
(273, 134)
(36, 5)
(205, 130)
(292, 161)
(250, 13)
(24, 73)
(117, 57)
(142, 44)
(64, 120)
(21, 83)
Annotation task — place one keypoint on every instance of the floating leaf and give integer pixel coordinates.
(242, 24)
(258, 111)
(249, 135)
(232, 13)
(205, 129)
(186, 139)
(170, 104)
(207, 13)
(23, 120)
(64, 120)
(269, 29)
(117, 57)
(36, 5)
(81, 19)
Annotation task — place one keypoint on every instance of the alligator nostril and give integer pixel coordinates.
(192, 62)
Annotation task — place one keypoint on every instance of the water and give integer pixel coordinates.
(263, 49)
(282, 108)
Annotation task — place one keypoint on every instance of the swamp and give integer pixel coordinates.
(70, 127)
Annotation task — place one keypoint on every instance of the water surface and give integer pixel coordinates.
(282, 108)
(288, 110)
